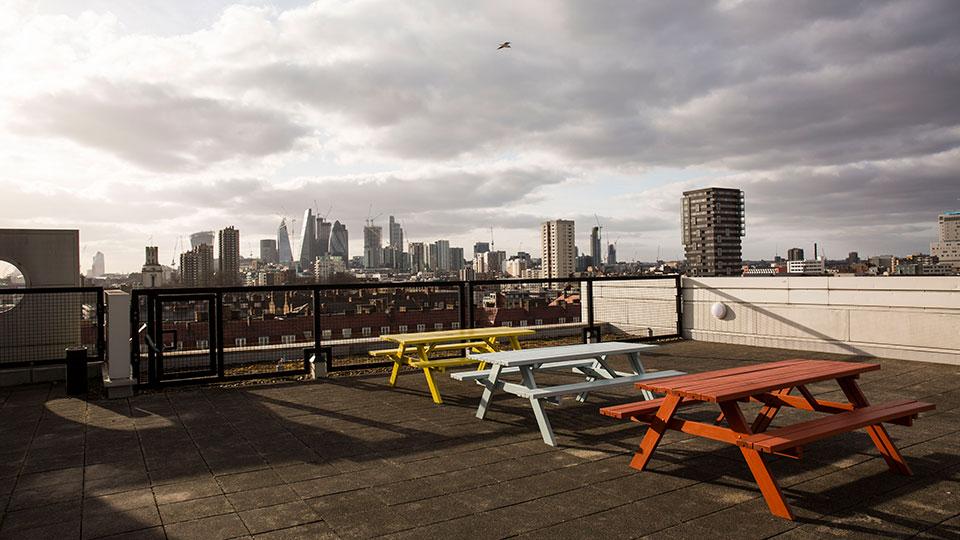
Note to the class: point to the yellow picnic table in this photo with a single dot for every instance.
(415, 349)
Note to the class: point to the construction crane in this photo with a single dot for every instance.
(370, 220)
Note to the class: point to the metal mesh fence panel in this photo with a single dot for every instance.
(353, 319)
(553, 310)
(37, 325)
(266, 332)
(185, 337)
(635, 308)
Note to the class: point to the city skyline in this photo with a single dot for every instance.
(837, 119)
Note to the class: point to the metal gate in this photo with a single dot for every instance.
(182, 337)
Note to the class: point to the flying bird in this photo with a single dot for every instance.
(504, 45)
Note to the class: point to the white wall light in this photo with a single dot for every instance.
(718, 310)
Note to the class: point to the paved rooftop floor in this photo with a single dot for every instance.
(352, 458)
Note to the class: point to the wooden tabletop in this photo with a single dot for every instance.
(735, 383)
(559, 354)
(456, 335)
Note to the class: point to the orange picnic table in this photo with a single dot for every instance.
(770, 385)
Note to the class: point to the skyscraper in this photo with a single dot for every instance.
(396, 235)
(595, 254)
(558, 248)
(947, 248)
(323, 237)
(268, 251)
(372, 245)
(152, 272)
(196, 266)
(481, 247)
(443, 255)
(795, 254)
(229, 257)
(712, 222)
(339, 241)
(202, 237)
(611, 254)
(456, 258)
(418, 257)
(98, 267)
(308, 241)
(283, 244)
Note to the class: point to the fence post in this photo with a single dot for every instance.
(679, 306)
(462, 316)
(101, 325)
(470, 309)
(218, 315)
(317, 331)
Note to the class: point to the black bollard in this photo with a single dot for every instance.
(76, 371)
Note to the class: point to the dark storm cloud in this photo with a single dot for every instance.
(748, 85)
(158, 127)
(457, 190)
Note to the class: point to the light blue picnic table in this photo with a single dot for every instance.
(589, 360)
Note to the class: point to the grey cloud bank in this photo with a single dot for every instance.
(831, 115)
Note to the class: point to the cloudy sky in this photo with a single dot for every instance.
(139, 122)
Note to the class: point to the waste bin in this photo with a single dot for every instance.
(76, 371)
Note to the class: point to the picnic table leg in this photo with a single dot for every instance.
(397, 361)
(637, 366)
(488, 390)
(429, 376)
(658, 426)
(767, 483)
(878, 434)
(515, 343)
(767, 413)
(546, 431)
(395, 372)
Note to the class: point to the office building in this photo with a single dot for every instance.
(812, 267)
(200, 238)
(308, 241)
(196, 266)
(322, 246)
(481, 247)
(152, 272)
(795, 254)
(418, 257)
(268, 251)
(228, 269)
(372, 246)
(98, 266)
(947, 247)
(853, 257)
(712, 223)
(611, 254)
(325, 266)
(558, 248)
(516, 267)
(396, 235)
(596, 257)
(443, 255)
(284, 252)
(456, 259)
(339, 241)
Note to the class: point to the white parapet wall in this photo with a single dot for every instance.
(911, 318)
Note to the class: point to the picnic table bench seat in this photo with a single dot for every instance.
(590, 386)
(484, 373)
(785, 438)
(637, 409)
(479, 345)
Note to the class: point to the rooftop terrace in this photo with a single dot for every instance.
(350, 457)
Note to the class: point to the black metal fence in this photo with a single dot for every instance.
(38, 324)
(227, 333)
